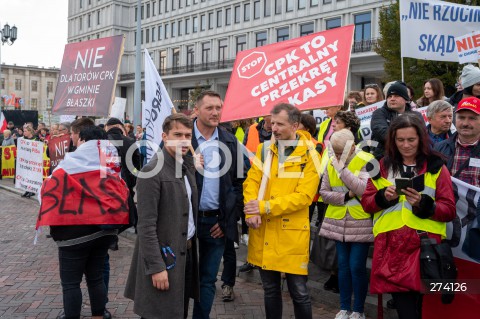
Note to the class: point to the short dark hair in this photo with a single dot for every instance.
(294, 114)
(81, 123)
(355, 95)
(177, 117)
(114, 121)
(350, 119)
(206, 93)
(309, 122)
(89, 133)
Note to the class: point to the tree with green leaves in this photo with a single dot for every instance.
(416, 71)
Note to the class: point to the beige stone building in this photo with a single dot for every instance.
(27, 87)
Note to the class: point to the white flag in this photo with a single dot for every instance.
(156, 108)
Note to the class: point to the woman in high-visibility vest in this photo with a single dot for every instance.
(345, 221)
(402, 215)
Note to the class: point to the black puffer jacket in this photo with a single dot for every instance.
(381, 120)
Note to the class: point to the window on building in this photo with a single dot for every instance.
(334, 23)
(165, 36)
(205, 54)
(49, 87)
(306, 29)
(80, 23)
(153, 34)
(180, 4)
(313, 3)
(18, 84)
(49, 104)
(2, 84)
(148, 10)
(163, 61)
(187, 25)
(147, 35)
(89, 2)
(203, 22)
(176, 60)
(278, 6)
(33, 86)
(246, 12)
(174, 29)
(89, 20)
(256, 10)
(237, 14)
(141, 37)
(261, 38)
(34, 104)
(327, 1)
(166, 5)
(267, 8)
(81, 4)
(180, 27)
(282, 34)
(160, 6)
(219, 18)
(98, 17)
(289, 5)
(173, 4)
(195, 24)
(228, 16)
(190, 58)
(154, 12)
(136, 12)
(160, 32)
(363, 26)
(241, 43)
(222, 52)
(135, 38)
(142, 9)
(188, 2)
(302, 4)
(210, 20)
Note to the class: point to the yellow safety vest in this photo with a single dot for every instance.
(401, 214)
(353, 205)
(240, 134)
(323, 130)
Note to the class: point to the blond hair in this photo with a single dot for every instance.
(340, 139)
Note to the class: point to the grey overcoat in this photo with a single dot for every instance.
(162, 218)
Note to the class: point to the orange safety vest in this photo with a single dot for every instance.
(253, 139)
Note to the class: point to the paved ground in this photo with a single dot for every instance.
(30, 286)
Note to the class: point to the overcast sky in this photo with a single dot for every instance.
(42, 31)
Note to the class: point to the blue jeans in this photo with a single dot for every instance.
(210, 254)
(229, 264)
(352, 274)
(74, 261)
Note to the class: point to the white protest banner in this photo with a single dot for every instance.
(429, 28)
(468, 47)
(365, 115)
(29, 169)
(463, 235)
(118, 108)
(320, 116)
(157, 106)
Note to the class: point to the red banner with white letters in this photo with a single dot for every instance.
(309, 72)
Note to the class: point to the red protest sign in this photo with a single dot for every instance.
(57, 148)
(309, 72)
(86, 85)
(83, 199)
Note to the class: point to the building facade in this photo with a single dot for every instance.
(27, 87)
(193, 43)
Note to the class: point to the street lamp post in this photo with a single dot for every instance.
(7, 35)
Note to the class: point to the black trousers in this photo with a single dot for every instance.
(408, 304)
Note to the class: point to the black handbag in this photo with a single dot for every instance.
(437, 265)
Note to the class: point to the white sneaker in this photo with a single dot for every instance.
(343, 314)
(244, 239)
(357, 315)
(235, 245)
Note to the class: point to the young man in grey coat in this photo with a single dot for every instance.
(162, 284)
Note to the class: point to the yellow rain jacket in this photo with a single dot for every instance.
(282, 241)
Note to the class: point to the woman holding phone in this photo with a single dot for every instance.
(399, 220)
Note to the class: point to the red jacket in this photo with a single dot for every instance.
(396, 256)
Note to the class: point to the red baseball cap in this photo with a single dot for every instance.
(470, 103)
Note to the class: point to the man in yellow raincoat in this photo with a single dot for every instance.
(279, 225)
